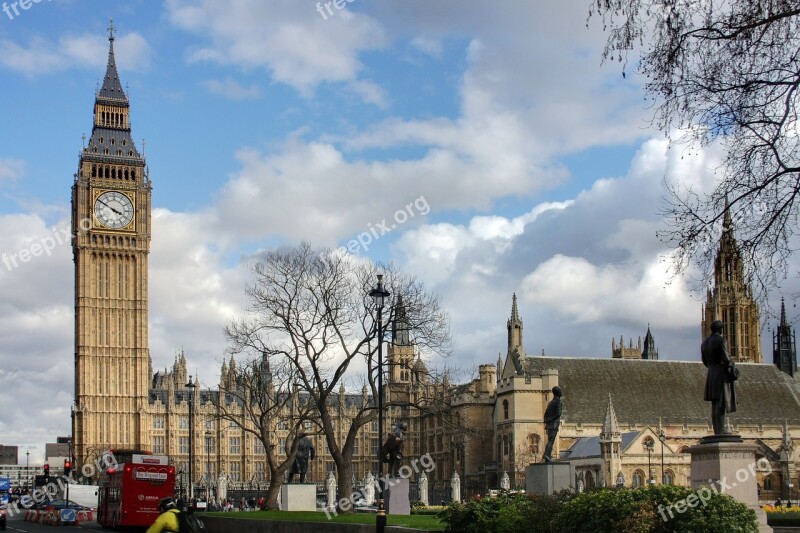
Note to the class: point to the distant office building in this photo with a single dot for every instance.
(8, 455)
(60, 448)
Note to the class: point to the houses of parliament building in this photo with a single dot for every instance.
(621, 414)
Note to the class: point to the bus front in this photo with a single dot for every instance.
(129, 493)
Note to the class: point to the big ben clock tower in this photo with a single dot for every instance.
(110, 245)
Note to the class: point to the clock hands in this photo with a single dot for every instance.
(108, 206)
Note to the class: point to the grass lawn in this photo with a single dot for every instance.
(431, 523)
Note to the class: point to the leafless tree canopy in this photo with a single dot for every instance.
(310, 312)
(727, 71)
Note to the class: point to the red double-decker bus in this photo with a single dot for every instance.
(129, 492)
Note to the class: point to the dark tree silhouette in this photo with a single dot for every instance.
(310, 312)
(728, 72)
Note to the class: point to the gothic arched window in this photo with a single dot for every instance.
(505, 409)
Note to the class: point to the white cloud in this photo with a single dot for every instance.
(286, 37)
(233, 90)
(11, 169)
(193, 294)
(585, 293)
(89, 51)
(428, 46)
(370, 92)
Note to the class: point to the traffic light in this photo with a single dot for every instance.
(46, 470)
(67, 467)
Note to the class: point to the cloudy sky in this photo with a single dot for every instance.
(505, 156)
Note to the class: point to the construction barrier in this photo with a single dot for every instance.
(84, 516)
(57, 517)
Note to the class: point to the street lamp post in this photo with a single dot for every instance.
(379, 295)
(649, 446)
(207, 475)
(662, 437)
(191, 386)
(27, 469)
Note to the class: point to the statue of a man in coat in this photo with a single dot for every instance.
(552, 421)
(722, 373)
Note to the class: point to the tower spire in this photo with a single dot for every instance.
(783, 314)
(514, 310)
(610, 425)
(731, 299)
(112, 87)
(784, 347)
(515, 326)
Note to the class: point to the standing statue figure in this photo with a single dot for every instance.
(552, 421)
(222, 488)
(392, 450)
(720, 390)
(305, 452)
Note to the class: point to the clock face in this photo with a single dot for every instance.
(113, 210)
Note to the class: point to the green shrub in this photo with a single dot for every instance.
(653, 510)
(509, 513)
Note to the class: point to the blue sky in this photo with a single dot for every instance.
(267, 124)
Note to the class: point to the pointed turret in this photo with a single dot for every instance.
(223, 374)
(650, 351)
(610, 425)
(516, 349)
(499, 367)
(610, 442)
(784, 352)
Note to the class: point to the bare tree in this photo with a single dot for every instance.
(728, 72)
(259, 398)
(311, 311)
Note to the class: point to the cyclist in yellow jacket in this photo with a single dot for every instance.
(168, 519)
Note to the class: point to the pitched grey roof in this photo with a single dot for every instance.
(118, 142)
(645, 390)
(590, 446)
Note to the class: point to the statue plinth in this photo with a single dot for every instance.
(547, 478)
(395, 497)
(729, 464)
(299, 497)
